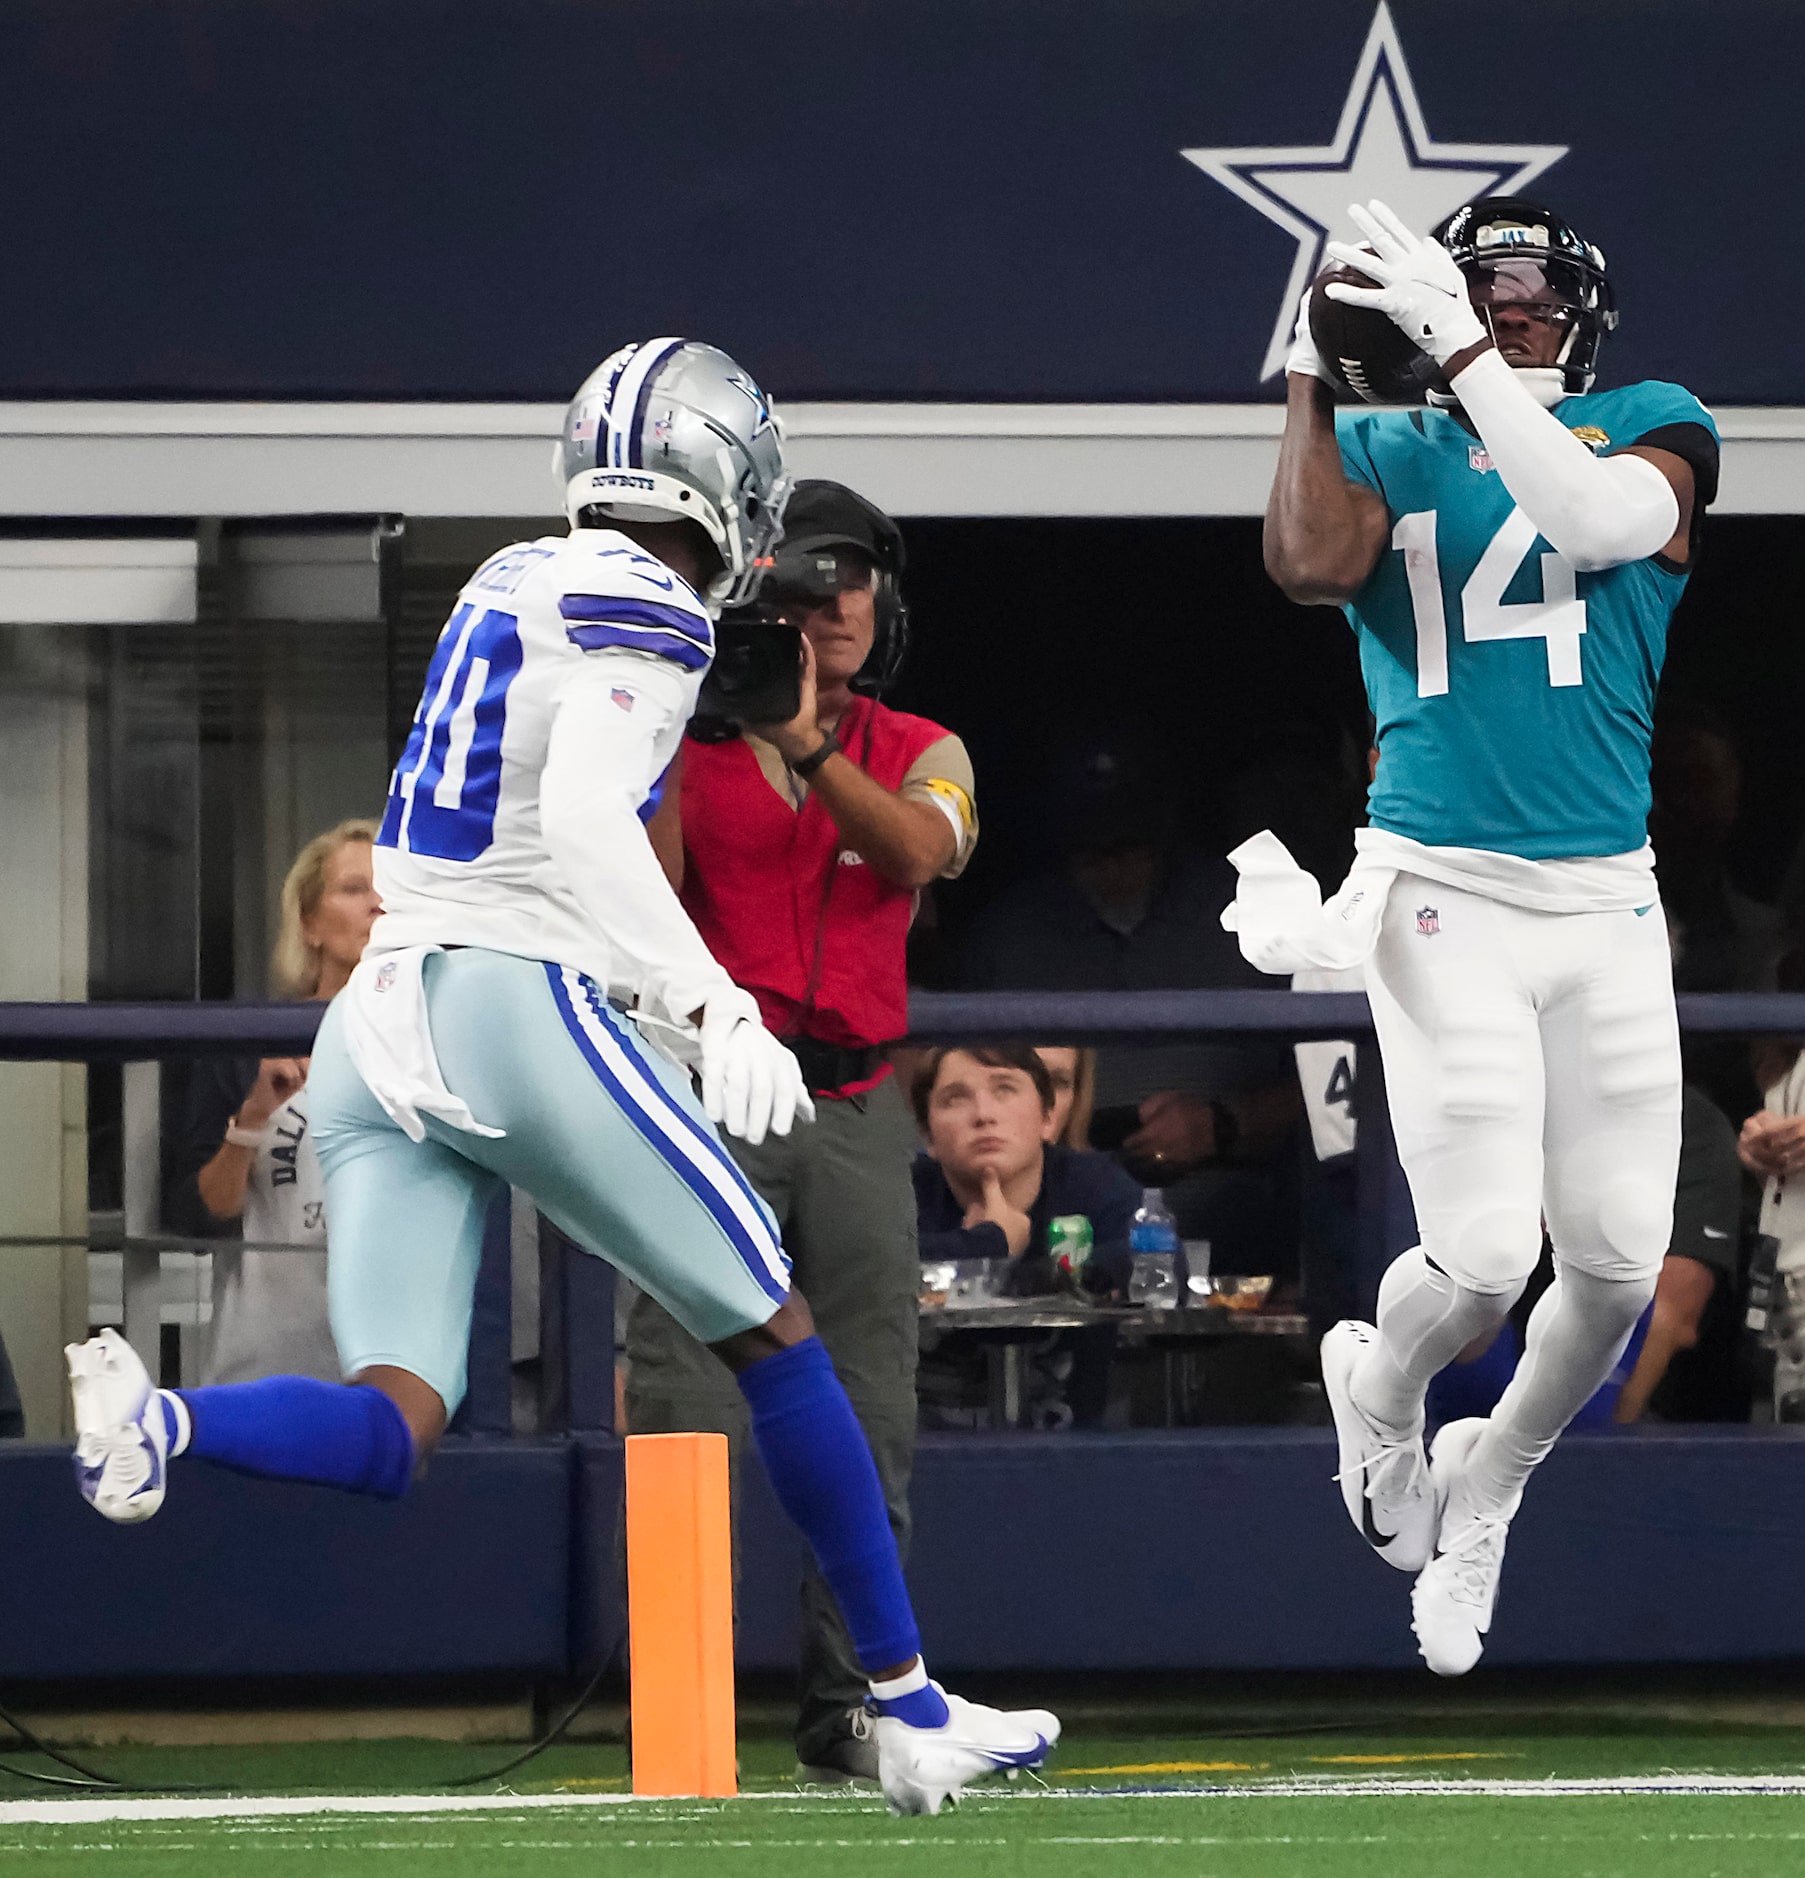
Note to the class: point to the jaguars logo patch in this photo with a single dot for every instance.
(1592, 437)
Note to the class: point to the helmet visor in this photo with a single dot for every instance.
(1543, 281)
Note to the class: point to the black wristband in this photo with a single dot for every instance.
(806, 766)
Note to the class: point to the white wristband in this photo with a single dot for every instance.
(237, 1137)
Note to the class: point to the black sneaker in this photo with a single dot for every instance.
(851, 1755)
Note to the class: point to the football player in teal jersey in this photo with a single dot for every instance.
(1509, 557)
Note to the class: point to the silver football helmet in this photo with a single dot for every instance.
(672, 428)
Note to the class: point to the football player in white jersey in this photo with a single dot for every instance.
(1510, 558)
(500, 1031)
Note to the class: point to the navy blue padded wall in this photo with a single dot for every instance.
(1229, 1549)
(468, 1575)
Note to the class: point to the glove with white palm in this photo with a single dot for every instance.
(751, 1085)
(1420, 289)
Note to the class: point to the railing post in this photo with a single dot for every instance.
(142, 1139)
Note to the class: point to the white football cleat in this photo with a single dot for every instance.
(922, 1768)
(121, 1438)
(1452, 1600)
(1385, 1483)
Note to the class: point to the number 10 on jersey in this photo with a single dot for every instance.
(1559, 617)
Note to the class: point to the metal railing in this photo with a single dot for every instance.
(139, 1035)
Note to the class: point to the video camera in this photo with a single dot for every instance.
(756, 677)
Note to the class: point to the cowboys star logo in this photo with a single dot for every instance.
(1381, 148)
(741, 382)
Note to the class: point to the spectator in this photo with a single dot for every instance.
(993, 1180)
(1073, 1074)
(803, 847)
(245, 1155)
(994, 1175)
(1130, 909)
(1772, 1146)
(1723, 938)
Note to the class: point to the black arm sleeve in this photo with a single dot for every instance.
(1695, 444)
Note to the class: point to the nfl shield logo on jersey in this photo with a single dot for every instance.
(624, 697)
(1428, 921)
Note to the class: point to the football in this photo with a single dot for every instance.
(1364, 348)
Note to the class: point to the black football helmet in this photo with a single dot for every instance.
(1499, 237)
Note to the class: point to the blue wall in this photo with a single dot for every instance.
(1221, 1549)
(915, 199)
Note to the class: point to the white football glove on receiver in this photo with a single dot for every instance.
(1420, 289)
(1303, 358)
(751, 1085)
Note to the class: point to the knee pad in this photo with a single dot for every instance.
(1491, 1252)
(1609, 1219)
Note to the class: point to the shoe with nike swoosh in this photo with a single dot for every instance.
(1385, 1482)
(920, 1769)
(1452, 1602)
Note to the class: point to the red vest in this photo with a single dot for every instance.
(815, 934)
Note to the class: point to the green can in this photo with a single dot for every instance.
(1069, 1244)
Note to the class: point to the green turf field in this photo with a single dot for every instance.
(1320, 1804)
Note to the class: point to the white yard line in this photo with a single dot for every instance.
(423, 1805)
(384, 1806)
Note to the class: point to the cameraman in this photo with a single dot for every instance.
(804, 843)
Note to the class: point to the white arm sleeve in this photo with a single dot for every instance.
(596, 770)
(1597, 512)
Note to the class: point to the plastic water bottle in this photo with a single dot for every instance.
(1153, 1239)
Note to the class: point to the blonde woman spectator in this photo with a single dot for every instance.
(246, 1155)
(1073, 1074)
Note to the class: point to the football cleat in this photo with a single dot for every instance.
(1453, 1598)
(1385, 1483)
(121, 1438)
(920, 1769)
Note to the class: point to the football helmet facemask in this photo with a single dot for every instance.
(1510, 248)
(671, 429)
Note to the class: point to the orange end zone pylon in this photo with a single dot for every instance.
(680, 1614)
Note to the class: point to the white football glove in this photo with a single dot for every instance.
(1303, 358)
(751, 1085)
(1420, 289)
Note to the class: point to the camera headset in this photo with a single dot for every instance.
(831, 536)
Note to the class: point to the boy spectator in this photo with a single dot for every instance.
(994, 1178)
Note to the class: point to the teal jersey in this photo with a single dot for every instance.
(1514, 695)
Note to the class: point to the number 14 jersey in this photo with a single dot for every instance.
(1514, 695)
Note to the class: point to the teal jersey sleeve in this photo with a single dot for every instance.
(1513, 693)
(1353, 433)
(1667, 417)
(1638, 409)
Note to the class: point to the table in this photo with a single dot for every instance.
(1010, 1327)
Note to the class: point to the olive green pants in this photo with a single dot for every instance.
(841, 1191)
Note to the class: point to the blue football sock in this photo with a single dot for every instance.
(911, 1698)
(821, 1470)
(297, 1428)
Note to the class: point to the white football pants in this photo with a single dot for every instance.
(1532, 1065)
